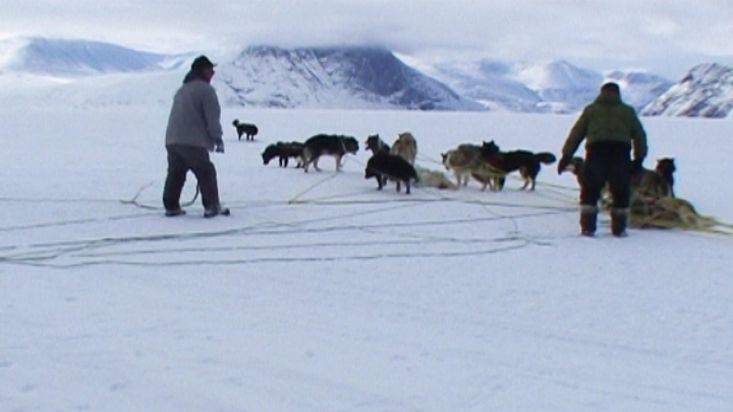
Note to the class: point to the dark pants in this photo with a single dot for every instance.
(607, 162)
(181, 159)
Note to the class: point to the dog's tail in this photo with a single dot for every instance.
(545, 157)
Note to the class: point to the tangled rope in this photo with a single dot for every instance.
(133, 201)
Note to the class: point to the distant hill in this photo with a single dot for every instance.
(62, 57)
(333, 77)
(639, 88)
(706, 91)
(545, 87)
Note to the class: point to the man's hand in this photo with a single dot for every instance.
(636, 165)
(219, 147)
(563, 164)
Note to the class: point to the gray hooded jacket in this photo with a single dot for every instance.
(195, 115)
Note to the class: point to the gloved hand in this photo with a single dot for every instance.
(219, 147)
(636, 165)
(563, 164)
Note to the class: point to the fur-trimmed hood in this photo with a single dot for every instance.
(191, 76)
(608, 99)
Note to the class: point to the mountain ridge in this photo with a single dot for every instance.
(358, 77)
(332, 77)
(706, 91)
(73, 57)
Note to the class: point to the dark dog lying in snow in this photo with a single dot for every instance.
(332, 145)
(644, 182)
(247, 129)
(385, 166)
(658, 182)
(526, 162)
(284, 151)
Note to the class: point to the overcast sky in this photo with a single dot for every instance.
(664, 36)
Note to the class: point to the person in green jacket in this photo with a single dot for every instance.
(610, 128)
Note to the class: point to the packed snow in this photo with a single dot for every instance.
(321, 293)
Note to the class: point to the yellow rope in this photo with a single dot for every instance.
(297, 198)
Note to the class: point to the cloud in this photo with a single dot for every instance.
(655, 33)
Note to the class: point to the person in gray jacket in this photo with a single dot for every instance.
(194, 129)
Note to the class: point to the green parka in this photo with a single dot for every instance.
(607, 119)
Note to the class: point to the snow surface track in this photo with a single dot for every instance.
(348, 298)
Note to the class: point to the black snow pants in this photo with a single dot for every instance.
(607, 162)
(181, 159)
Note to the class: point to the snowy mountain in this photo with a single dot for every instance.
(335, 77)
(490, 82)
(639, 88)
(90, 73)
(706, 91)
(562, 86)
(61, 57)
(554, 86)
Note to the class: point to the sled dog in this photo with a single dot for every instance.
(247, 129)
(432, 178)
(526, 162)
(337, 146)
(283, 151)
(465, 161)
(406, 147)
(644, 182)
(376, 144)
(385, 166)
(655, 183)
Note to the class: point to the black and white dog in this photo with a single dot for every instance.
(331, 145)
(528, 163)
(384, 166)
(283, 151)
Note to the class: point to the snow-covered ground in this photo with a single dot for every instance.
(321, 294)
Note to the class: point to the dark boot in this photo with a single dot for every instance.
(215, 211)
(175, 212)
(588, 218)
(618, 222)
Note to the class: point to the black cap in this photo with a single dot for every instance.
(201, 62)
(611, 87)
